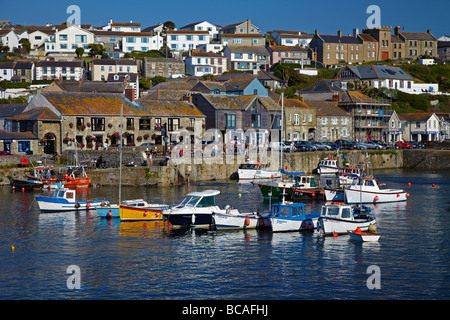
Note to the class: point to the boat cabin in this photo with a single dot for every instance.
(338, 211)
(200, 199)
(328, 162)
(252, 166)
(365, 184)
(287, 210)
(349, 171)
(63, 193)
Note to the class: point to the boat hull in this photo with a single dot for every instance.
(128, 213)
(388, 195)
(341, 226)
(286, 224)
(229, 221)
(49, 204)
(199, 220)
(111, 211)
(277, 192)
(77, 183)
(364, 236)
(309, 194)
(26, 184)
(336, 195)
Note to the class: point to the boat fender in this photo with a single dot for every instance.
(157, 214)
(372, 228)
(77, 205)
(103, 204)
(247, 222)
(376, 198)
(88, 205)
(109, 214)
(145, 213)
(304, 224)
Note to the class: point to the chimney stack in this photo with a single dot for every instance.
(130, 93)
(355, 32)
(397, 30)
(340, 33)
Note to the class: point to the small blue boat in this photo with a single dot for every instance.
(290, 216)
(63, 199)
(111, 211)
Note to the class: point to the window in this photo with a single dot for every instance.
(230, 121)
(63, 46)
(417, 124)
(173, 38)
(237, 40)
(344, 132)
(63, 37)
(80, 38)
(144, 40)
(238, 55)
(324, 120)
(131, 39)
(23, 146)
(98, 124)
(189, 37)
(254, 41)
(201, 38)
(144, 124)
(310, 117)
(333, 120)
(296, 119)
(174, 124)
(393, 124)
(130, 124)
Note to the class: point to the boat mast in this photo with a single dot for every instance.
(282, 136)
(120, 155)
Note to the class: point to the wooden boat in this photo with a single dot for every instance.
(366, 190)
(196, 210)
(47, 176)
(327, 166)
(25, 184)
(64, 199)
(256, 170)
(339, 218)
(109, 211)
(289, 216)
(364, 236)
(278, 189)
(139, 210)
(233, 219)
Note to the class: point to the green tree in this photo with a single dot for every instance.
(79, 51)
(25, 44)
(96, 49)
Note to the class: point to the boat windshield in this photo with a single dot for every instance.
(59, 194)
(284, 212)
(331, 211)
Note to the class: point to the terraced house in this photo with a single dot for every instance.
(62, 120)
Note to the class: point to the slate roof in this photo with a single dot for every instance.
(241, 102)
(39, 113)
(76, 103)
(88, 86)
(418, 36)
(113, 62)
(287, 48)
(259, 50)
(340, 39)
(378, 72)
(328, 108)
(161, 94)
(416, 116)
(77, 63)
(324, 85)
(9, 110)
(5, 135)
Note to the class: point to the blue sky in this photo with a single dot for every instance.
(326, 16)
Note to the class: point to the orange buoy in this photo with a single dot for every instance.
(376, 198)
(335, 234)
(433, 185)
(145, 213)
(109, 213)
(409, 184)
(398, 195)
(88, 205)
(358, 230)
(247, 222)
(407, 195)
(77, 205)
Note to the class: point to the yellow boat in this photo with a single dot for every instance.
(144, 211)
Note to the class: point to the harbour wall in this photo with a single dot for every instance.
(161, 175)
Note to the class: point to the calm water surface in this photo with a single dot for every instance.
(150, 260)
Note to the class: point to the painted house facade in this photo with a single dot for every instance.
(246, 58)
(101, 68)
(185, 40)
(63, 70)
(206, 63)
(68, 40)
(299, 120)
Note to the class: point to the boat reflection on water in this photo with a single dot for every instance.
(153, 228)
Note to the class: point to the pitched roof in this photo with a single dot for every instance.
(86, 86)
(241, 102)
(416, 116)
(76, 63)
(295, 103)
(114, 62)
(39, 113)
(378, 72)
(259, 50)
(8, 110)
(328, 108)
(340, 39)
(170, 108)
(324, 85)
(5, 135)
(162, 94)
(288, 48)
(418, 36)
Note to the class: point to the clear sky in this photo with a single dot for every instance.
(299, 15)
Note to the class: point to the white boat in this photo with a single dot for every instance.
(65, 200)
(233, 219)
(366, 190)
(364, 236)
(196, 210)
(339, 218)
(347, 174)
(256, 170)
(334, 194)
(327, 166)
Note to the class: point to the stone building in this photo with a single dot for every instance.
(164, 67)
(299, 120)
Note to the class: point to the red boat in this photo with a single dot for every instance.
(74, 177)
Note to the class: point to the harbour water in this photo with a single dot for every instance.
(150, 260)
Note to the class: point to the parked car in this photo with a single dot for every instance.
(384, 144)
(359, 145)
(303, 145)
(6, 153)
(345, 144)
(373, 145)
(417, 144)
(320, 145)
(403, 145)
(282, 146)
(332, 145)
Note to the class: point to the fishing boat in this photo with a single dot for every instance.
(109, 211)
(367, 190)
(256, 170)
(64, 199)
(139, 210)
(327, 166)
(364, 236)
(25, 184)
(339, 218)
(290, 216)
(233, 219)
(76, 177)
(275, 189)
(196, 210)
(347, 174)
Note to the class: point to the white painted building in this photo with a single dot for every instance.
(37, 38)
(68, 40)
(202, 26)
(184, 40)
(9, 38)
(203, 63)
(63, 70)
(122, 26)
(292, 38)
(141, 41)
(101, 68)
(6, 70)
